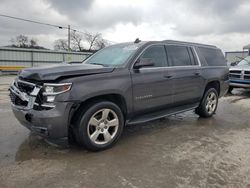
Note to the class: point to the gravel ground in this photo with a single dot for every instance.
(179, 151)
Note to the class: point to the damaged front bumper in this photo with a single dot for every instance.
(49, 121)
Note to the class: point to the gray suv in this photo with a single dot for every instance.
(127, 83)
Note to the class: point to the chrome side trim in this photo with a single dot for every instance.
(55, 85)
(168, 67)
(196, 55)
(61, 84)
(45, 105)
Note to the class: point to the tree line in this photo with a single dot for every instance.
(78, 42)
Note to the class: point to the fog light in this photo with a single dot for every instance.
(50, 98)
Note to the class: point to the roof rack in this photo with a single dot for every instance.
(188, 43)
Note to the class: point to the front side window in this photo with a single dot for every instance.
(155, 54)
(178, 56)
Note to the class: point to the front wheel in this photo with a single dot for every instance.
(208, 104)
(100, 126)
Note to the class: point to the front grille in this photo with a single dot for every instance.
(247, 77)
(24, 87)
(39, 98)
(12, 97)
(234, 76)
(235, 71)
(239, 75)
(16, 100)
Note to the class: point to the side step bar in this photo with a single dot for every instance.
(161, 114)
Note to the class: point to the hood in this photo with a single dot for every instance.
(241, 67)
(57, 72)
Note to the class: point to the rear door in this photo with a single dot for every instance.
(151, 89)
(185, 72)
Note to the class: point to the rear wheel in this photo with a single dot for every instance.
(208, 104)
(100, 126)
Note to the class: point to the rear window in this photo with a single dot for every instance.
(213, 57)
(178, 56)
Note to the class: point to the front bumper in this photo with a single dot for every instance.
(240, 84)
(51, 122)
(47, 123)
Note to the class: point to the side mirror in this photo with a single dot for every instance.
(143, 62)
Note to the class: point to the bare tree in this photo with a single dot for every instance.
(33, 43)
(92, 39)
(61, 44)
(20, 41)
(80, 43)
(102, 43)
(76, 41)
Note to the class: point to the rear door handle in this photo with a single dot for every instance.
(168, 76)
(197, 74)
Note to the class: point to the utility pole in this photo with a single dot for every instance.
(68, 37)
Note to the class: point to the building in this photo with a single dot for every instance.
(19, 58)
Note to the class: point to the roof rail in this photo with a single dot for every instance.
(189, 43)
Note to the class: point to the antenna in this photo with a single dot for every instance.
(137, 41)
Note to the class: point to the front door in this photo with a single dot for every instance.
(151, 88)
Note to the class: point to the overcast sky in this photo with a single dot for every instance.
(224, 23)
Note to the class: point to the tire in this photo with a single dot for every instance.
(230, 89)
(209, 103)
(100, 126)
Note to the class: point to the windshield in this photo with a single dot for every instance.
(245, 61)
(113, 56)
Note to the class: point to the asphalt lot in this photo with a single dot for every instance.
(179, 151)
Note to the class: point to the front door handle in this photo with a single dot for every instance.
(197, 74)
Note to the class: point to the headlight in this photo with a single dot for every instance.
(50, 90)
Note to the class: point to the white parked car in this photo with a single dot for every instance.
(239, 75)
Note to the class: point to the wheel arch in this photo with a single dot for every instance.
(213, 84)
(82, 105)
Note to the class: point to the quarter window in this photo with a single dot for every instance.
(157, 54)
(213, 57)
(178, 56)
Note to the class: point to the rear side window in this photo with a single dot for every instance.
(178, 56)
(157, 54)
(213, 57)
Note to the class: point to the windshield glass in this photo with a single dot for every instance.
(245, 61)
(113, 56)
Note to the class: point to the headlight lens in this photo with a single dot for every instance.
(55, 89)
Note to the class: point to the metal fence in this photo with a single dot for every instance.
(34, 57)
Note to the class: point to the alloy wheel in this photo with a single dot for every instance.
(103, 126)
(211, 102)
